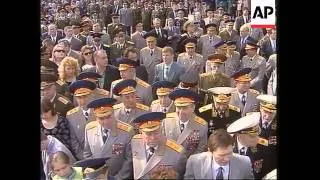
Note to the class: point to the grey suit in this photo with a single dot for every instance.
(120, 113)
(266, 48)
(227, 37)
(271, 65)
(76, 44)
(252, 103)
(175, 71)
(200, 166)
(232, 64)
(105, 39)
(155, 107)
(258, 65)
(193, 138)
(195, 64)
(138, 40)
(256, 33)
(205, 45)
(117, 147)
(126, 16)
(150, 61)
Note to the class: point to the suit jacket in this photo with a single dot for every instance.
(111, 74)
(141, 73)
(75, 55)
(258, 65)
(76, 44)
(146, 19)
(205, 46)
(138, 40)
(117, 147)
(82, 38)
(266, 49)
(210, 80)
(120, 113)
(196, 64)
(155, 107)
(272, 83)
(232, 64)
(176, 70)
(150, 61)
(239, 22)
(174, 31)
(214, 20)
(193, 138)
(256, 33)
(126, 16)
(163, 40)
(60, 35)
(252, 103)
(199, 166)
(240, 48)
(227, 37)
(168, 155)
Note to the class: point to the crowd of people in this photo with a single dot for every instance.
(159, 89)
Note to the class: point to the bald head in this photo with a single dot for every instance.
(52, 30)
(101, 58)
(244, 30)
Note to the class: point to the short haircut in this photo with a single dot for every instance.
(167, 49)
(47, 105)
(128, 50)
(67, 28)
(219, 138)
(65, 42)
(95, 54)
(60, 156)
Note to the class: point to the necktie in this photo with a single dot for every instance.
(265, 125)
(164, 110)
(151, 151)
(242, 42)
(151, 52)
(127, 112)
(220, 174)
(243, 100)
(159, 32)
(105, 135)
(141, 34)
(53, 39)
(86, 114)
(210, 40)
(181, 127)
(242, 151)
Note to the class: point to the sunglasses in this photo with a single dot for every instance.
(59, 50)
(86, 54)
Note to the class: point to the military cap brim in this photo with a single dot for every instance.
(241, 72)
(210, 25)
(96, 35)
(89, 75)
(218, 44)
(217, 58)
(229, 43)
(82, 87)
(149, 122)
(47, 65)
(189, 79)
(47, 79)
(184, 97)
(163, 87)
(189, 40)
(124, 87)
(125, 63)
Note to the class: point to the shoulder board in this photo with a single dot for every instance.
(129, 42)
(116, 81)
(205, 108)
(185, 18)
(174, 145)
(181, 54)
(124, 126)
(171, 115)
(91, 125)
(254, 91)
(138, 136)
(142, 83)
(105, 45)
(72, 111)
(155, 101)
(144, 48)
(114, 44)
(205, 74)
(102, 91)
(263, 141)
(176, 18)
(63, 100)
(200, 121)
(233, 108)
(142, 106)
(203, 36)
(117, 106)
(60, 82)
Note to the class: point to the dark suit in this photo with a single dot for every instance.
(239, 22)
(146, 19)
(227, 37)
(62, 105)
(163, 40)
(60, 35)
(266, 49)
(76, 44)
(141, 73)
(174, 74)
(115, 9)
(136, 17)
(82, 38)
(111, 74)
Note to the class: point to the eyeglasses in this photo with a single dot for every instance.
(59, 50)
(86, 54)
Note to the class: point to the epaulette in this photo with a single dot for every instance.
(124, 126)
(102, 91)
(205, 74)
(138, 136)
(142, 83)
(63, 100)
(263, 141)
(114, 44)
(200, 121)
(171, 115)
(155, 102)
(174, 145)
(144, 48)
(185, 18)
(117, 106)
(72, 111)
(116, 81)
(202, 36)
(60, 82)
(205, 108)
(248, 113)
(91, 125)
(105, 45)
(181, 54)
(254, 91)
(235, 108)
(129, 42)
(142, 106)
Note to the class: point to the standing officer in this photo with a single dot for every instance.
(155, 156)
(107, 137)
(112, 26)
(163, 103)
(183, 125)
(220, 113)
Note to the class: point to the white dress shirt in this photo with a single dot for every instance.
(148, 151)
(184, 123)
(241, 146)
(166, 108)
(273, 44)
(240, 96)
(216, 167)
(86, 111)
(264, 121)
(166, 70)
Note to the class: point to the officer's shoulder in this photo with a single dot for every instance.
(205, 108)
(143, 83)
(60, 82)
(124, 126)
(137, 136)
(174, 145)
(102, 91)
(170, 115)
(72, 111)
(205, 74)
(181, 54)
(235, 108)
(142, 107)
(105, 45)
(255, 92)
(155, 102)
(130, 42)
(91, 125)
(116, 81)
(64, 100)
(200, 121)
(143, 49)
(117, 106)
(203, 36)
(198, 55)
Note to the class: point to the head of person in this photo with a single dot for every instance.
(116, 2)
(131, 53)
(115, 18)
(47, 47)
(127, 68)
(96, 38)
(231, 47)
(210, 13)
(68, 68)
(211, 29)
(62, 12)
(246, 129)
(150, 127)
(89, 76)
(269, 31)
(126, 89)
(273, 34)
(60, 164)
(120, 35)
(189, 26)
(48, 111)
(190, 46)
(139, 27)
(68, 31)
(76, 27)
(167, 55)
(251, 48)
(170, 22)
(66, 44)
(180, 13)
(82, 90)
(268, 107)
(48, 85)
(221, 96)
(52, 30)
(94, 15)
(184, 100)
(157, 23)
(225, 17)
(163, 89)
(245, 11)
(156, 6)
(189, 81)
(100, 58)
(86, 25)
(229, 24)
(49, 67)
(67, 7)
(87, 54)
(242, 80)
(220, 10)
(151, 39)
(76, 11)
(244, 30)
(102, 109)
(96, 28)
(197, 16)
(215, 63)
(221, 47)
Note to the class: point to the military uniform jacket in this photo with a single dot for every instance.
(99, 93)
(215, 121)
(120, 113)
(63, 89)
(232, 64)
(117, 147)
(194, 63)
(252, 103)
(206, 45)
(193, 138)
(116, 51)
(110, 30)
(258, 65)
(155, 107)
(169, 155)
(62, 105)
(210, 80)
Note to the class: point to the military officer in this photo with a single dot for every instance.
(94, 168)
(107, 137)
(191, 60)
(183, 125)
(115, 23)
(154, 155)
(97, 44)
(220, 113)
(163, 103)
(48, 90)
(180, 20)
(268, 125)
(245, 132)
(79, 116)
(128, 71)
(232, 64)
(128, 109)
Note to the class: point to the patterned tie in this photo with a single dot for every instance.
(265, 125)
(105, 135)
(164, 110)
(151, 151)
(86, 114)
(151, 52)
(242, 151)
(220, 174)
(243, 100)
(181, 127)
(127, 112)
